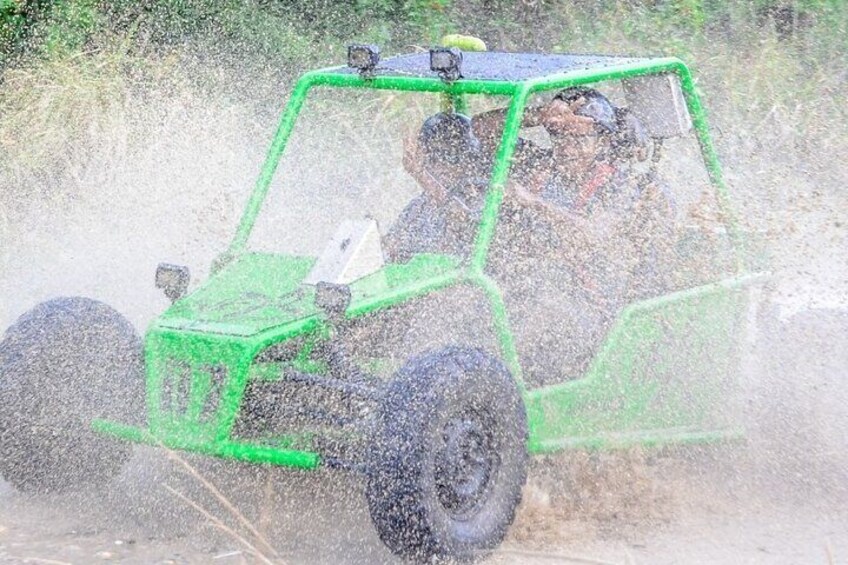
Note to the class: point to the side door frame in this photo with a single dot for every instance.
(611, 405)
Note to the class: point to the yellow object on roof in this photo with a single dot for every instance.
(464, 42)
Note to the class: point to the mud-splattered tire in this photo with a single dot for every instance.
(63, 363)
(448, 457)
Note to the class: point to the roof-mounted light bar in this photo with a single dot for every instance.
(364, 58)
(447, 61)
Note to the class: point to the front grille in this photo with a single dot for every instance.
(192, 392)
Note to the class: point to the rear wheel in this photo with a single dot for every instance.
(448, 457)
(63, 363)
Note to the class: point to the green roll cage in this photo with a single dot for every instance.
(547, 432)
(519, 93)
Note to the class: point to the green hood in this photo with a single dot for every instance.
(254, 293)
(258, 292)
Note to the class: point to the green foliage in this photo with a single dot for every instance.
(430, 18)
(12, 27)
(287, 34)
(69, 25)
(290, 30)
(45, 26)
(71, 71)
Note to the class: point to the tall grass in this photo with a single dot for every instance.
(70, 114)
(773, 97)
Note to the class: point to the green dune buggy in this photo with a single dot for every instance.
(308, 347)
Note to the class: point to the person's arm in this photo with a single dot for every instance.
(488, 126)
(529, 196)
(413, 163)
(573, 229)
(559, 118)
(588, 230)
(556, 116)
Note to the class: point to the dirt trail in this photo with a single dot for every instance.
(687, 507)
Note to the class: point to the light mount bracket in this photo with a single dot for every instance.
(447, 61)
(173, 280)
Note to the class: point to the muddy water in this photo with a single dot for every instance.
(780, 498)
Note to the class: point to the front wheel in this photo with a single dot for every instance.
(448, 457)
(63, 363)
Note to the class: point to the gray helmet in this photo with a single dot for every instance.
(449, 138)
(597, 106)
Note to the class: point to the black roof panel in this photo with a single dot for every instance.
(490, 65)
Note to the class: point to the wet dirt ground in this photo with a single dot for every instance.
(322, 520)
(689, 506)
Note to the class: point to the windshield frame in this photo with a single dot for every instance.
(519, 93)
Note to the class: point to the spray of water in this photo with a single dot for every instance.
(107, 170)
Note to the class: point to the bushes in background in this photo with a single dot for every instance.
(295, 30)
(774, 71)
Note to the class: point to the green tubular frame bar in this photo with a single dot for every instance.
(227, 449)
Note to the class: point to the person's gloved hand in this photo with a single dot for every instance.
(559, 118)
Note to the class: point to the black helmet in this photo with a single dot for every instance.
(449, 138)
(597, 106)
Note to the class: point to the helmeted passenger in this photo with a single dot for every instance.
(566, 227)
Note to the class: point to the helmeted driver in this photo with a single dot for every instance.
(446, 160)
(582, 189)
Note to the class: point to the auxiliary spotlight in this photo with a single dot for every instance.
(447, 62)
(364, 58)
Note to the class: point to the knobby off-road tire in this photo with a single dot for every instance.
(448, 457)
(63, 363)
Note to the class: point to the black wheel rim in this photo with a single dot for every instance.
(466, 464)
